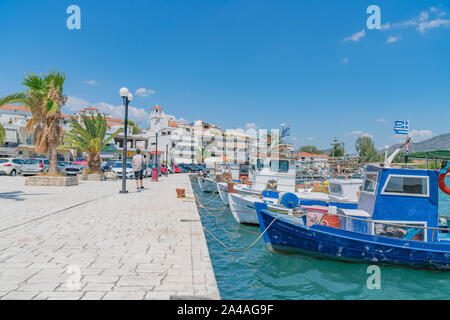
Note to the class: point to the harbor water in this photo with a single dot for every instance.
(260, 274)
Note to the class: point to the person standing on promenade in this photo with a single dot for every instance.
(138, 167)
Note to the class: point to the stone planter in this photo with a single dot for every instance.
(93, 176)
(51, 181)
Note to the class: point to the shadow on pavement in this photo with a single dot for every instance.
(17, 195)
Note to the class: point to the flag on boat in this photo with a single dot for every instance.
(401, 127)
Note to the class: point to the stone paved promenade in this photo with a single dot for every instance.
(90, 242)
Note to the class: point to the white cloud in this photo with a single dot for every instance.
(143, 92)
(367, 135)
(386, 26)
(381, 120)
(432, 24)
(75, 104)
(310, 138)
(183, 120)
(92, 82)
(354, 133)
(419, 135)
(345, 60)
(426, 20)
(392, 39)
(251, 125)
(416, 136)
(356, 36)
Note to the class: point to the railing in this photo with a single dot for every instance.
(369, 224)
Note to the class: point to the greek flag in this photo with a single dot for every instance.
(286, 132)
(401, 127)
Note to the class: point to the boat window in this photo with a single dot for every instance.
(259, 164)
(370, 182)
(279, 166)
(407, 185)
(335, 188)
(244, 169)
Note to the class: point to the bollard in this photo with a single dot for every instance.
(155, 174)
(181, 193)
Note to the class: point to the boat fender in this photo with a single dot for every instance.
(445, 169)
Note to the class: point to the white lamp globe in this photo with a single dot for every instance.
(124, 92)
(130, 97)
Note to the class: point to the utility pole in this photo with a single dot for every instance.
(167, 160)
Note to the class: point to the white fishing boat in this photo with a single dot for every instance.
(222, 187)
(207, 184)
(268, 174)
(235, 173)
(243, 206)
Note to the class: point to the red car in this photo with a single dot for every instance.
(176, 169)
(81, 162)
(163, 169)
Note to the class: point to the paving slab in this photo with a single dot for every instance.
(90, 242)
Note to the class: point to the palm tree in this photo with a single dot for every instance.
(91, 138)
(44, 97)
(203, 153)
(2, 135)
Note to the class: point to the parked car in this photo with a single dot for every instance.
(109, 165)
(33, 166)
(189, 167)
(11, 166)
(74, 169)
(178, 169)
(117, 169)
(163, 169)
(150, 166)
(80, 161)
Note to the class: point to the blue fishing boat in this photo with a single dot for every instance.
(396, 222)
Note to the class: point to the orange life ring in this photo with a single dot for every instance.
(444, 171)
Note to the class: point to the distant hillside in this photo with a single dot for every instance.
(439, 142)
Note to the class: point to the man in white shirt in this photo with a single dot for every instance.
(137, 163)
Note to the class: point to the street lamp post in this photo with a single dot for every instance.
(127, 98)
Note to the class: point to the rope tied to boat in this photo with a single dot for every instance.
(243, 249)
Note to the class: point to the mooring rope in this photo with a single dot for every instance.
(223, 220)
(243, 249)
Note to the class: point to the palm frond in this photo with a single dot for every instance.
(14, 98)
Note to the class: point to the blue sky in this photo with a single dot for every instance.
(311, 64)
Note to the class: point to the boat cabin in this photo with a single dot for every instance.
(344, 189)
(406, 197)
(273, 171)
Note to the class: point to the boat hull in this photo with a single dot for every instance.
(222, 187)
(207, 185)
(288, 234)
(243, 208)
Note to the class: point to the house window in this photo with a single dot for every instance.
(407, 185)
(370, 182)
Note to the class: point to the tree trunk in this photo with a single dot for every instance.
(94, 162)
(53, 169)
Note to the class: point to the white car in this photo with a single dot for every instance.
(117, 169)
(11, 166)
